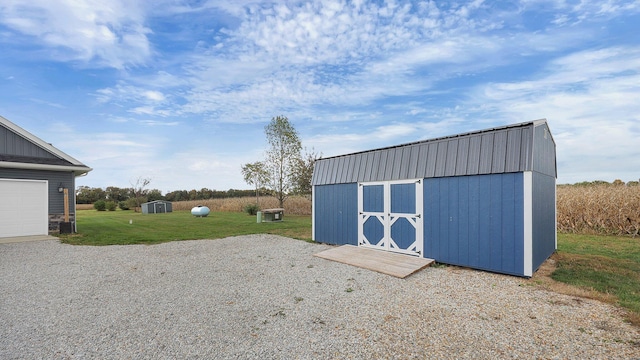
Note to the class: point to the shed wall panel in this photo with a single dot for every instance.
(484, 234)
(544, 218)
(453, 222)
(544, 155)
(373, 198)
(495, 221)
(473, 213)
(473, 221)
(463, 213)
(335, 212)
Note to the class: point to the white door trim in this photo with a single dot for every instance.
(388, 219)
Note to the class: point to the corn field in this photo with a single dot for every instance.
(599, 209)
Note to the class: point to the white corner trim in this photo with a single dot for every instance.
(528, 223)
(555, 215)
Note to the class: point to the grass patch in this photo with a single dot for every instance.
(607, 264)
(113, 227)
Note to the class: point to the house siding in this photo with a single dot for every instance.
(14, 144)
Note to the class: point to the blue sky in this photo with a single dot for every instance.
(180, 91)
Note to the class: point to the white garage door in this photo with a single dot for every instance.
(23, 207)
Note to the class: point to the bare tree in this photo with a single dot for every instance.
(138, 191)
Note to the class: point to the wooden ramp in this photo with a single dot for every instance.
(385, 262)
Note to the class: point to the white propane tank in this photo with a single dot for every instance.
(200, 211)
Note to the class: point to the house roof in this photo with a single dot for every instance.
(491, 151)
(42, 155)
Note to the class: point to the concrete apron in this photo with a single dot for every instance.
(7, 240)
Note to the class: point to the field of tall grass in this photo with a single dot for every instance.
(295, 205)
(603, 209)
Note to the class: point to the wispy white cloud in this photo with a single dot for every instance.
(110, 32)
(48, 103)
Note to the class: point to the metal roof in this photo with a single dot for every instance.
(491, 151)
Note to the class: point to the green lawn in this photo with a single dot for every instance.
(607, 264)
(114, 227)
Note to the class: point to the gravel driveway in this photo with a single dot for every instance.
(265, 296)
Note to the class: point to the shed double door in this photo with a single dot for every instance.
(160, 208)
(390, 216)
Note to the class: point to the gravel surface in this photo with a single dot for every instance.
(265, 297)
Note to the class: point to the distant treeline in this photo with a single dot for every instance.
(89, 195)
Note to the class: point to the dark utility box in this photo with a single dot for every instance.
(66, 227)
(270, 215)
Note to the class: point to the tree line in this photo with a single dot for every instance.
(89, 195)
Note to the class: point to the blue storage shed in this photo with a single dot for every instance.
(484, 199)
